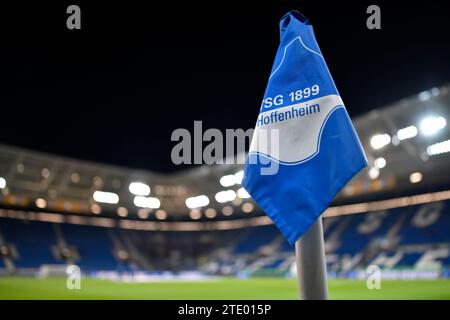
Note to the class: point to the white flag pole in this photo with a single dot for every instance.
(311, 265)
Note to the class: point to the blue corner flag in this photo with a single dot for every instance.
(304, 148)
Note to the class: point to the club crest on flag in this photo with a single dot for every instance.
(304, 148)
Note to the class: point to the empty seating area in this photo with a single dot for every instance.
(93, 245)
(396, 238)
(34, 244)
(430, 224)
(32, 240)
(360, 239)
(255, 238)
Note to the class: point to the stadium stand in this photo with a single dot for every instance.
(255, 239)
(414, 237)
(33, 241)
(93, 245)
(58, 211)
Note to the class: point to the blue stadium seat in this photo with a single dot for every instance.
(274, 264)
(437, 232)
(256, 238)
(93, 245)
(409, 259)
(352, 241)
(33, 241)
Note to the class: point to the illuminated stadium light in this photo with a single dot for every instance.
(68, 205)
(98, 182)
(227, 211)
(195, 214)
(122, 255)
(232, 179)
(197, 202)
(415, 177)
(106, 197)
(374, 173)
(139, 189)
(431, 125)
(223, 225)
(438, 148)
(140, 201)
(161, 214)
(40, 203)
(191, 202)
(122, 212)
(435, 91)
(210, 213)
(237, 201)
(225, 196)
(20, 168)
(380, 163)
(153, 203)
(227, 181)
(147, 202)
(407, 133)
(395, 140)
(349, 190)
(424, 95)
(247, 207)
(242, 193)
(2, 182)
(75, 177)
(378, 141)
(238, 177)
(45, 173)
(96, 209)
(143, 213)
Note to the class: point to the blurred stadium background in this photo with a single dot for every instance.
(197, 234)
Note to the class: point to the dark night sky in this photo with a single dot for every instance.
(114, 91)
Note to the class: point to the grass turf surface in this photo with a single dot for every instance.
(260, 288)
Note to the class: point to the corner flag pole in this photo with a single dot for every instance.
(311, 266)
(312, 152)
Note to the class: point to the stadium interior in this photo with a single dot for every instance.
(114, 222)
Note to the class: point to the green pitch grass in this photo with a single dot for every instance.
(261, 288)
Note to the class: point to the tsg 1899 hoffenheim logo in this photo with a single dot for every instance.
(298, 109)
(303, 122)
